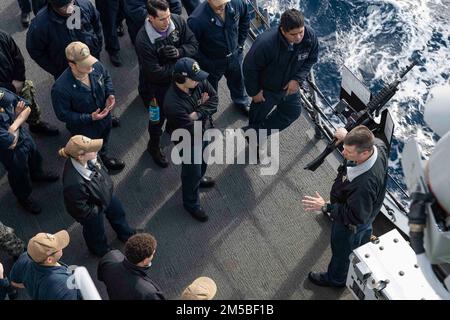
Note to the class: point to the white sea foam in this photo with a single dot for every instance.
(417, 22)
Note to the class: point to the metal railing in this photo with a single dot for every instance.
(321, 120)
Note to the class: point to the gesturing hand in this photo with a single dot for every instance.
(313, 203)
(110, 102)
(99, 115)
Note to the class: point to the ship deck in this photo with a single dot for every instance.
(258, 243)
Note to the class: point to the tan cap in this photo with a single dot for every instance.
(80, 54)
(79, 143)
(44, 245)
(202, 288)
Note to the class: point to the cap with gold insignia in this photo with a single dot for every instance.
(81, 144)
(44, 245)
(188, 67)
(79, 53)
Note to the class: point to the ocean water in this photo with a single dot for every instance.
(375, 40)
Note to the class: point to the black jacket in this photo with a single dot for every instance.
(12, 66)
(178, 105)
(152, 69)
(136, 12)
(269, 65)
(126, 281)
(359, 201)
(83, 198)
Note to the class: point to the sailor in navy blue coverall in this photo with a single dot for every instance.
(18, 152)
(221, 31)
(278, 62)
(83, 97)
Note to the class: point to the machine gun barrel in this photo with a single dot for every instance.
(374, 106)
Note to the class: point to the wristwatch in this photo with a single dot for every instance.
(326, 208)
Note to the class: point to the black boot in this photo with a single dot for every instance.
(114, 57)
(45, 176)
(244, 109)
(43, 128)
(158, 156)
(198, 214)
(115, 121)
(112, 164)
(207, 182)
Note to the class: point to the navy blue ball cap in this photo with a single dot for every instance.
(59, 3)
(189, 68)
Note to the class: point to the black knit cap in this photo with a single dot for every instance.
(59, 3)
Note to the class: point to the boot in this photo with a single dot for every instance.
(43, 128)
(45, 176)
(112, 164)
(115, 121)
(114, 57)
(155, 151)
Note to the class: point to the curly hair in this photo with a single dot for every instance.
(139, 247)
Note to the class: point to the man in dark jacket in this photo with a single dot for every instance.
(162, 40)
(26, 6)
(52, 30)
(83, 97)
(136, 14)
(190, 5)
(12, 77)
(128, 277)
(276, 65)
(356, 198)
(18, 152)
(40, 271)
(89, 194)
(190, 101)
(221, 27)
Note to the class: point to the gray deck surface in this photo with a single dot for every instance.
(258, 243)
